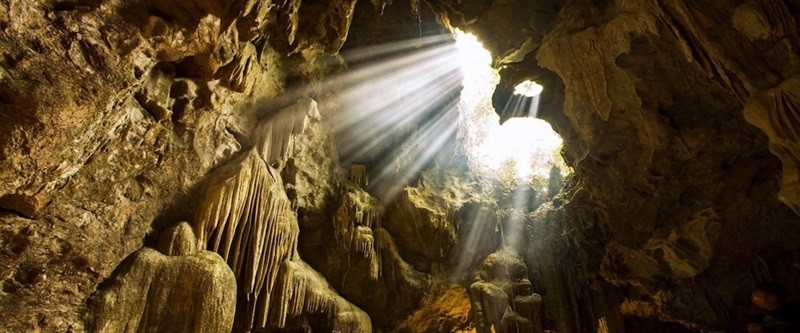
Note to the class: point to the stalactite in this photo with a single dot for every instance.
(391, 264)
(355, 219)
(235, 74)
(359, 175)
(246, 217)
(303, 290)
(777, 112)
(275, 136)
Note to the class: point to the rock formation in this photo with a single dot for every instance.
(178, 290)
(246, 217)
(502, 297)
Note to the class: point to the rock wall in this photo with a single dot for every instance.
(179, 289)
(113, 114)
(675, 194)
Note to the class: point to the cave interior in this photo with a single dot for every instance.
(329, 166)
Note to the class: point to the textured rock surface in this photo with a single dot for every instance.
(341, 233)
(424, 216)
(246, 217)
(776, 112)
(443, 309)
(185, 294)
(502, 297)
(674, 193)
(112, 114)
(178, 290)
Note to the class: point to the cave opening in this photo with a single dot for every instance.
(525, 148)
(456, 188)
(406, 106)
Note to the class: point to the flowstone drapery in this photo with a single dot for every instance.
(246, 217)
(777, 112)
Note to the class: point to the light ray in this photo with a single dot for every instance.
(393, 48)
(396, 108)
(420, 148)
(528, 88)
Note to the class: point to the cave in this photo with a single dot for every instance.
(606, 166)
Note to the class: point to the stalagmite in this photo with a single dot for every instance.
(501, 296)
(680, 124)
(178, 290)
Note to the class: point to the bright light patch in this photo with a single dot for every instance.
(476, 66)
(528, 88)
(471, 52)
(529, 142)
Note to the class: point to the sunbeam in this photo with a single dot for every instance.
(396, 107)
(528, 88)
(400, 103)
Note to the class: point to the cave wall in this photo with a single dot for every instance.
(161, 112)
(113, 113)
(679, 122)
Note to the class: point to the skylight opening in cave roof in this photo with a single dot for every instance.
(528, 146)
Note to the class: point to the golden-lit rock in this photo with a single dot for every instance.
(181, 290)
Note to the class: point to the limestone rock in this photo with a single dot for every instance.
(685, 252)
(274, 136)
(777, 112)
(502, 298)
(669, 175)
(178, 240)
(354, 221)
(530, 308)
(751, 21)
(246, 217)
(340, 225)
(176, 292)
(111, 115)
(443, 309)
(310, 293)
(489, 305)
(246, 196)
(424, 217)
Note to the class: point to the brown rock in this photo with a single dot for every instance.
(159, 293)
